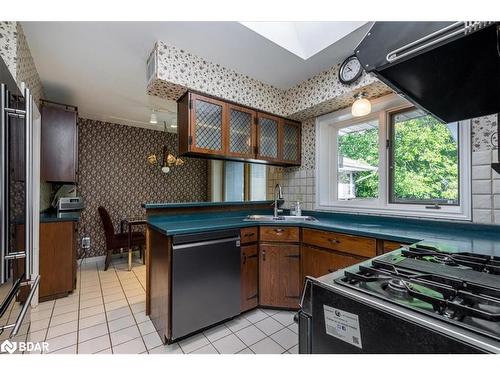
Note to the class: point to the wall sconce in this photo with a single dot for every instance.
(361, 106)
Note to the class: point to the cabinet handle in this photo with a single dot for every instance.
(333, 240)
(292, 296)
(278, 230)
(249, 234)
(264, 255)
(244, 259)
(252, 256)
(292, 256)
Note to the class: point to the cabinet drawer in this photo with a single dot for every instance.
(249, 235)
(366, 247)
(318, 262)
(391, 245)
(279, 234)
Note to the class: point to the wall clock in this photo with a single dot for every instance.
(350, 70)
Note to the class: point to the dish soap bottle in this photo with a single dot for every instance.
(298, 209)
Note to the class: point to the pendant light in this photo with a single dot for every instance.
(361, 106)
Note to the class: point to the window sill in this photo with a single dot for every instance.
(447, 213)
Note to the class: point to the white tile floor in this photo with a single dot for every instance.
(106, 314)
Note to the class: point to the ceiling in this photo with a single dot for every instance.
(101, 66)
(304, 39)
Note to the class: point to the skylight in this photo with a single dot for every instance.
(304, 39)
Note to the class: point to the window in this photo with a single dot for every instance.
(424, 159)
(357, 161)
(398, 160)
(234, 184)
(258, 183)
(235, 181)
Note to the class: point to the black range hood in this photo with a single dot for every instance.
(449, 69)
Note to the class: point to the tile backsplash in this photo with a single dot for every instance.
(485, 181)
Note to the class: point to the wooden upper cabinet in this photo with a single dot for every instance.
(208, 133)
(291, 142)
(213, 128)
(268, 137)
(59, 143)
(241, 131)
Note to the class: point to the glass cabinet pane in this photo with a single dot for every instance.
(290, 142)
(240, 132)
(268, 138)
(208, 125)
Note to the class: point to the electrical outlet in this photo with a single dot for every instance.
(86, 243)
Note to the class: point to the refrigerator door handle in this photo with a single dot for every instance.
(28, 123)
(3, 193)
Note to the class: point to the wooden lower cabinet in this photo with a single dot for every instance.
(249, 277)
(317, 262)
(391, 246)
(279, 275)
(57, 259)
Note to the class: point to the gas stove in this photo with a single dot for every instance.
(474, 261)
(460, 288)
(450, 301)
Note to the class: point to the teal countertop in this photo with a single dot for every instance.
(453, 236)
(149, 206)
(50, 217)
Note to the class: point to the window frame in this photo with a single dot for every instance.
(326, 170)
(390, 161)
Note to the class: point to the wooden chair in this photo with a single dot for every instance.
(117, 241)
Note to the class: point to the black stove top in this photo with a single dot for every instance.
(459, 288)
(477, 262)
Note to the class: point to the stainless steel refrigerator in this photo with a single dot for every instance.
(19, 184)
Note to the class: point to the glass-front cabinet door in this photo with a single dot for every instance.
(291, 140)
(207, 133)
(268, 135)
(241, 127)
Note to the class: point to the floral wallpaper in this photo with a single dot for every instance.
(114, 173)
(484, 133)
(8, 45)
(15, 52)
(178, 70)
(26, 70)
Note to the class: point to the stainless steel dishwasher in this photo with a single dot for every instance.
(205, 280)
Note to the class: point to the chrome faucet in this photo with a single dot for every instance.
(280, 196)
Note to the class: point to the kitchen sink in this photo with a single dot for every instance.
(279, 218)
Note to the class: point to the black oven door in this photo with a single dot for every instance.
(376, 331)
